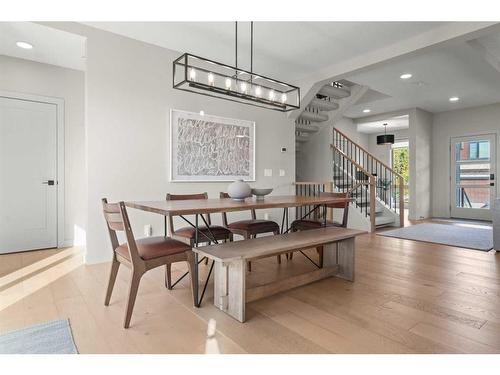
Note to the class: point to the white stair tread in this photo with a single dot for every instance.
(307, 128)
(383, 220)
(323, 105)
(335, 92)
(313, 116)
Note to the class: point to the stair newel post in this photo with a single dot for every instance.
(372, 203)
(401, 201)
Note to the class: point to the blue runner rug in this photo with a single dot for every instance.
(47, 338)
(470, 236)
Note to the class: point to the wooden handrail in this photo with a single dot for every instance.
(350, 159)
(368, 152)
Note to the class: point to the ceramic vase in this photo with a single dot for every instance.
(239, 190)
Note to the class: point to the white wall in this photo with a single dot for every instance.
(314, 162)
(129, 96)
(23, 76)
(420, 189)
(465, 122)
(383, 152)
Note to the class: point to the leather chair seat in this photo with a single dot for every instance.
(154, 247)
(305, 224)
(190, 232)
(255, 226)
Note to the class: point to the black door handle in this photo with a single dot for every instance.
(49, 182)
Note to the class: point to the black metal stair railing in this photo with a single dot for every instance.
(389, 185)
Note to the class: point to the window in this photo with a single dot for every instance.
(479, 150)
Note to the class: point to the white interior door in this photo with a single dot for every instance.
(28, 175)
(473, 176)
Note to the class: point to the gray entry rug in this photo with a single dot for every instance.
(476, 237)
(47, 338)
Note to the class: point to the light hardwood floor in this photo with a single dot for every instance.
(408, 297)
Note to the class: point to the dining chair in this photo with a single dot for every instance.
(305, 224)
(188, 234)
(141, 255)
(250, 228)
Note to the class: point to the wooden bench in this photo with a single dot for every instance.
(230, 292)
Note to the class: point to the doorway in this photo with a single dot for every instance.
(400, 162)
(31, 165)
(472, 172)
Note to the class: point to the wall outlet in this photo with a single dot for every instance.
(268, 172)
(148, 230)
(282, 172)
(283, 149)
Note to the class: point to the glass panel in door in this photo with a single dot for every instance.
(473, 172)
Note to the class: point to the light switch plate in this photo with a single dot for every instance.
(282, 172)
(268, 172)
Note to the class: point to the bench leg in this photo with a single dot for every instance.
(345, 259)
(230, 289)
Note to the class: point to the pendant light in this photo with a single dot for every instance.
(385, 139)
(211, 78)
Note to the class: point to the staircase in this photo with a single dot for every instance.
(329, 98)
(378, 191)
(377, 188)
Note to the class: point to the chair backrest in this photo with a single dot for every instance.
(223, 195)
(117, 220)
(342, 205)
(182, 197)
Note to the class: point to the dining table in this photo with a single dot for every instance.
(200, 207)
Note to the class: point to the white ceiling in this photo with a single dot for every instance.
(457, 70)
(290, 51)
(377, 127)
(50, 46)
(287, 51)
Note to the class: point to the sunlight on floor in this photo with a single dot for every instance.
(26, 281)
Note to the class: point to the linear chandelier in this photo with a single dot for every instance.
(207, 77)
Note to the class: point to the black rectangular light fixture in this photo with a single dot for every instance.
(207, 77)
(385, 139)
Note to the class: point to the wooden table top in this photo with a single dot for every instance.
(205, 206)
(271, 245)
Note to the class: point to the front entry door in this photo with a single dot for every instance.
(473, 176)
(28, 175)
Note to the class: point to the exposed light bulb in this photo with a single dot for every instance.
(258, 91)
(243, 87)
(271, 95)
(192, 74)
(283, 98)
(228, 83)
(211, 79)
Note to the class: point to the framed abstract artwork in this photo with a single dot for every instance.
(210, 148)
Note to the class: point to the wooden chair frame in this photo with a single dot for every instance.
(244, 233)
(117, 220)
(170, 220)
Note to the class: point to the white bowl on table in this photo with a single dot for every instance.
(260, 193)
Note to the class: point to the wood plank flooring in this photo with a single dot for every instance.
(408, 297)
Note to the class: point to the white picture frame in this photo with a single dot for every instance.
(206, 148)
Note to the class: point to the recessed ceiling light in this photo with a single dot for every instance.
(367, 110)
(202, 113)
(454, 99)
(405, 76)
(24, 45)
